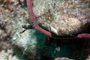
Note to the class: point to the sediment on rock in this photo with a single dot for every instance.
(62, 17)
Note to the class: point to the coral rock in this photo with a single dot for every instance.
(62, 17)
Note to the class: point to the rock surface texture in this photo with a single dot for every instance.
(31, 41)
(62, 17)
(56, 16)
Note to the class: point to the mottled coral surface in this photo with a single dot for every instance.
(31, 42)
(62, 17)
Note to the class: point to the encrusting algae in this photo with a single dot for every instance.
(62, 17)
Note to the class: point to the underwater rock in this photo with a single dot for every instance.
(11, 4)
(5, 43)
(62, 17)
(31, 41)
(8, 55)
(63, 58)
(2, 35)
